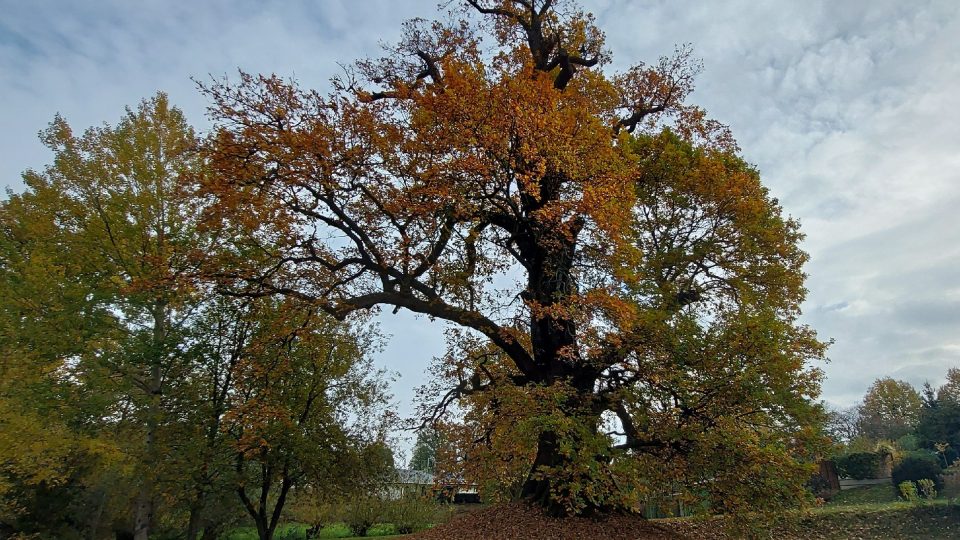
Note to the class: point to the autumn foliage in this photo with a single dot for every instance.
(136, 398)
(624, 292)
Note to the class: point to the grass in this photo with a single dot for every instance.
(880, 493)
(935, 520)
(298, 532)
(877, 512)
(870, 512)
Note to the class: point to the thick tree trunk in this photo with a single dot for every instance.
(553, 335)
(542, 489)
(536, 488)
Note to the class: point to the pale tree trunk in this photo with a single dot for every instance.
(145, 499)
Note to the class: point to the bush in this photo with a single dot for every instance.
(320, 515)
(914, 469)
(410, 514)
(362, 513)
(859, 466)
(927, 488)
(926, 455)
(908, 491)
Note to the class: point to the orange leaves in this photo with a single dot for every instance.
(646, 92)
(600, 232)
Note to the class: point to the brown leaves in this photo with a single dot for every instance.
(600, 232)
(520, 521)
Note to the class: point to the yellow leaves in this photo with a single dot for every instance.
(654, 266)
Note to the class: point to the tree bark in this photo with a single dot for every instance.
(555, 348)
(144, 512)
(537, 489)
(194, 525)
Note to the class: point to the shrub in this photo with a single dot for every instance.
(858, 466)
(927, 488)
(410, 514)
(908, 443)
(290, 533)
(362, 513)
(914, 469)
(320, 515)
(908, 491)
(927, 455)
(886, 448)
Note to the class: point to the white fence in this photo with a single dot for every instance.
(850, 483)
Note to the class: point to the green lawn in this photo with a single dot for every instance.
(872, 512)
(935, 520)
(298, 532)
(876, 512)
(880, 493)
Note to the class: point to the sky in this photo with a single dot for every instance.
(850, 110)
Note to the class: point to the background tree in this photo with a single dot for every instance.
(890, 410)
(117, 197)
(939, 422)
(950, 390)
(299, 377)
(844, 425)
(657, 283)
(425, 450)
(121, 364)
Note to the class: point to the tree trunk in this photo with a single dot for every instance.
(93, 531)
(553, 336)
(193, 524)
(144, 512)
(542, 489)
(536, 488)
(264, 531)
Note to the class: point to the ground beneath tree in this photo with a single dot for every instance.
(521, 521)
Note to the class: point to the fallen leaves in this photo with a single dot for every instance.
(521, 521)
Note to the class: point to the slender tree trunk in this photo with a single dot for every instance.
(94, 525)
(264, 532)
(144, 513)
(193, 524)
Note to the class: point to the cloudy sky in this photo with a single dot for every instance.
(850, 109)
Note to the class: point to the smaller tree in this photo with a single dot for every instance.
(844, 425)
(301, 378)
(950, 391)
(890, 410)
(425, 450)
(939, 422)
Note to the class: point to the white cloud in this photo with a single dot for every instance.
(849, 109)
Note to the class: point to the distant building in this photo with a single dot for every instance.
(409, 482)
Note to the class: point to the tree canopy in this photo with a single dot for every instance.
(623, 292)
(890, 409)
(135, 398)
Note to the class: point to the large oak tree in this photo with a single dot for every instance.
(621, 280)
